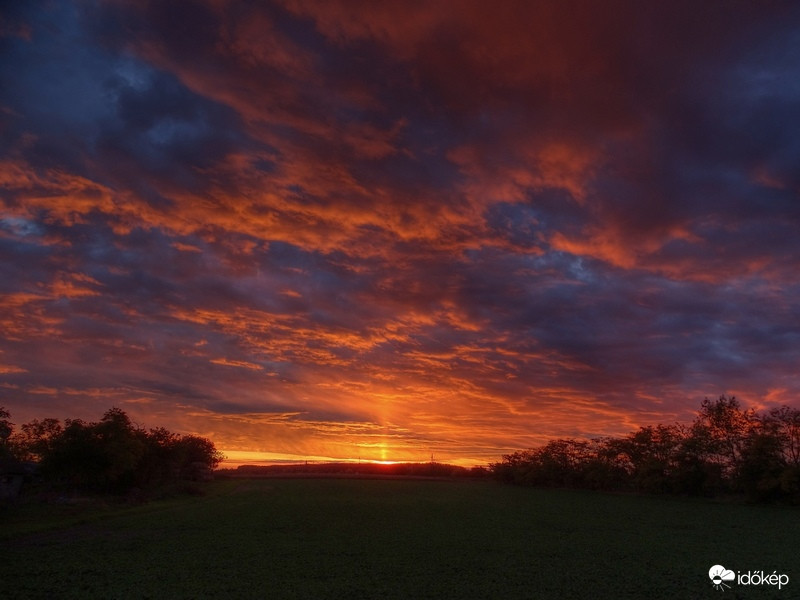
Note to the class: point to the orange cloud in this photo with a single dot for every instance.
(237, 363)
(389, 230)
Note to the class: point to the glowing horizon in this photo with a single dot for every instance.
(302, 230)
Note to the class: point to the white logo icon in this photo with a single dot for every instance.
(719, 575)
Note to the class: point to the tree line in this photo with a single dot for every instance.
(725, 450)
(357, 469)
(110, 456)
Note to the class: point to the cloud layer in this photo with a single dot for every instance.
(386, 230)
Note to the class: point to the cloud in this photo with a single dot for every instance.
(397, 228)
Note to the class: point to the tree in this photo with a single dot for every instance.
(6, 435)
(197, 456)
(510, 469)
(72, 459)
(6, 426)
(785, 423)
(770, 465)
(6, 431)
(724, 428)
(649, 456)
(36, 438)
(160, 463)
(560, 462)
(113, 455)
(604, 467)
(694, 474)
(762, 466)
(120, 448)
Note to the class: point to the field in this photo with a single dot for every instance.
(339, 538)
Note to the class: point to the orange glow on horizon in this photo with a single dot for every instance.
(236, 458)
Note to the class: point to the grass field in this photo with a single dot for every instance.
(335, 538)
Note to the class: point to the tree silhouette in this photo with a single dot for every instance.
(112, 455)
(6, 426)
(6, 429)
(725, 428)
(725, 450)
(36, 438)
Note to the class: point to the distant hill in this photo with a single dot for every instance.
(350, 469)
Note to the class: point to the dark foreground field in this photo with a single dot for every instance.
(334, 538)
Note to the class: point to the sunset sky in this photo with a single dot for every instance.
(391, 230)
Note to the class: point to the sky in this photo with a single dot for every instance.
(390, 230)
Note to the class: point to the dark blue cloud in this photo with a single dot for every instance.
(541, 221)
